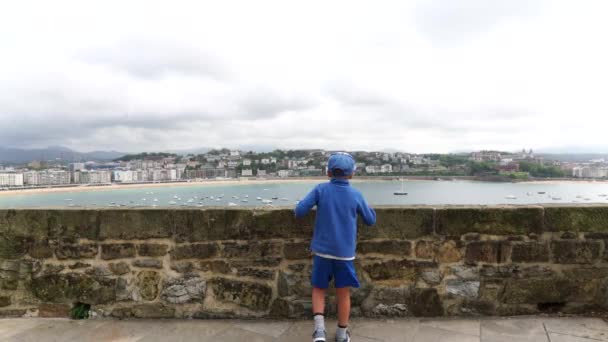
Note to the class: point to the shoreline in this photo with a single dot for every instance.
(116, 186)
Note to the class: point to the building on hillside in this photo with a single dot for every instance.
(77, 167)
(96, 177)
(246, 162)
(261, 173)
(246, 173)
(386, 168)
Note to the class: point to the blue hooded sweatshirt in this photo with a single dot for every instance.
(337, 204)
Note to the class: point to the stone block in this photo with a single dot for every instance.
(40, 250)
(575, 252)
(128, 224)
(253, 296)
(117, 251)
(119, 268)
(22, 223)
(387, 301)
(153, 310)
(399, 224)
(537, 290)
(80, 251)
(12, 246)
(294, 283)
(215, 266)
(5, 301)
(407, 270)
(251, 249)
(394, 247)
(78, 265)
(259, 273)
(148, 283)
(449, 251)
(425, 302)
(297, 250)
(462, 288)
(148, 263)
(194, 251)
(152, 249)
(72, 224)
(99, 271)
(530, 252)
(72, 287)
(487, 251)
(494, 221)
(577, 219)
(464, 272)
(54, 310)
(184, 290)
(12, 313)
(426, 249)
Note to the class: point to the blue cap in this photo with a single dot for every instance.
(342, 161)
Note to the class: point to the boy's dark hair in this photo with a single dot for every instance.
(337, 173)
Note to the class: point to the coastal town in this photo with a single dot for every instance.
(220, 164)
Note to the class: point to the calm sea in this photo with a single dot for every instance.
(286, 194)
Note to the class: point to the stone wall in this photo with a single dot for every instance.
(417, 261)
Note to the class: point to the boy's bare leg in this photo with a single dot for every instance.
(343, 297)
(318, 300)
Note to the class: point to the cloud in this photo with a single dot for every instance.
(156, 58)
(447, 22)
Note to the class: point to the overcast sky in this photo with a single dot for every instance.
(418, 76)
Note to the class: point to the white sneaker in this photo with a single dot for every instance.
(318, 336)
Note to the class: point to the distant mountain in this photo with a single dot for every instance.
(21, 156)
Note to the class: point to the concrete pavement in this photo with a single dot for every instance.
(519, 329)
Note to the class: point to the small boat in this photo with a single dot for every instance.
(258, 198)
(156, 200)
(541, 192)
(556, 198)
(529, 193)
(211, 197)
(402, 192)
(230, 204)
(246, 196)
(235, 197)
(244, 200)
(275, 198)
(265, 189)
(172, 202)
(267, 201)
(579, 196)
(143, 199)
(67, 199)
(175, 196)
(587, 199)
(510, 197)
(602, 195)
(190, 200)
(284, 199)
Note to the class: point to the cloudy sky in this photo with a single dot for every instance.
(419, 76)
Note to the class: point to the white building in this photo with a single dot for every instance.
(11, 179)
(261, 173)
(233, 163)
(246, 162)
(122, 176)
(246, 173)
(372, 169)
(235, 153)
(386, 168)
(47, 177)
(77, 167)
(265, 161)
(284, 173)
(96, 177)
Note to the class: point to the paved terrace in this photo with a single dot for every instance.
(520, 329)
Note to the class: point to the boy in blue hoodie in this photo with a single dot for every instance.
(334, 240)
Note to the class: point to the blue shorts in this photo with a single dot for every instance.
(343, 272)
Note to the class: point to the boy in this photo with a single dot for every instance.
(334, 240)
